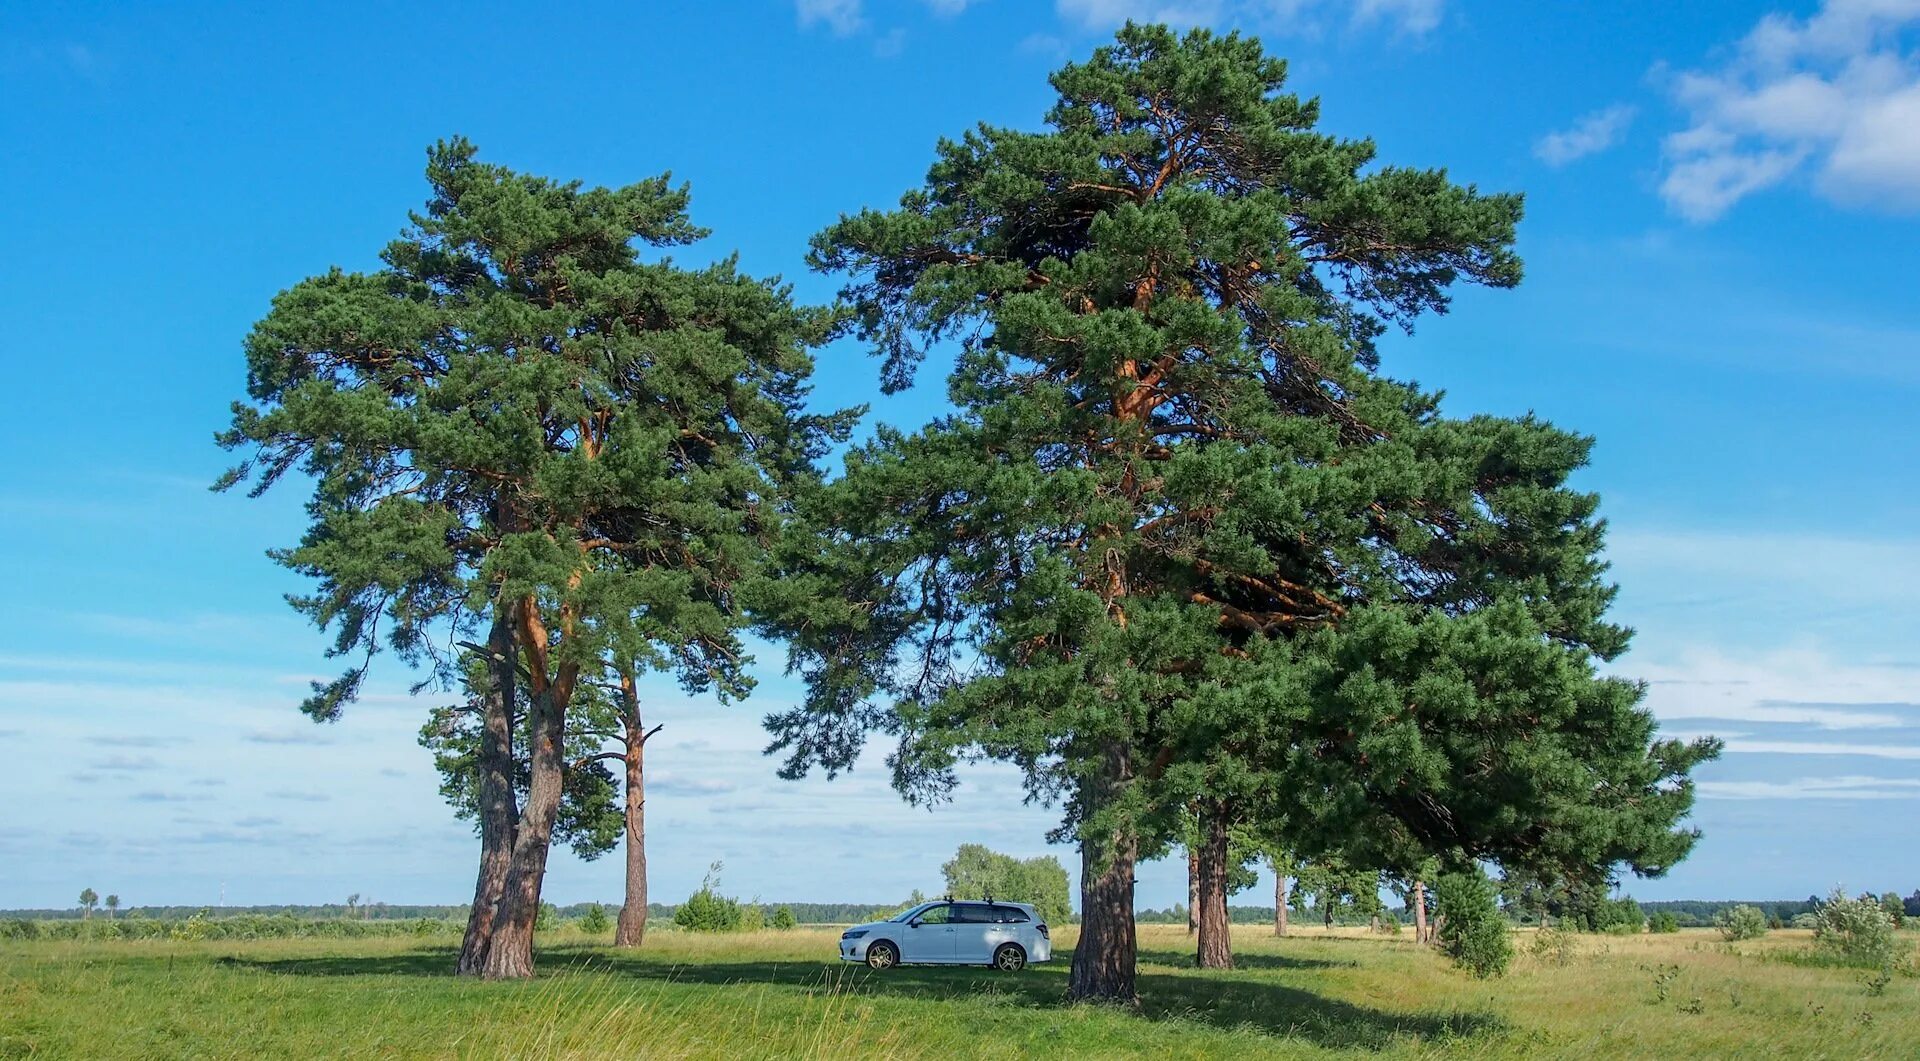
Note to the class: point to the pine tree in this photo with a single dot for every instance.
(518, 424)
(1181, 540)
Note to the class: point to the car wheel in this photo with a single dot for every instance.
(882, 955)
(1009, 958)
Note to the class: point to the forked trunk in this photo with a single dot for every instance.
(510, 954)
(1279, 901)
(1193, 890)
(1216, 949)
(633, 913)
(499, 813)
(1104, 960)
(1420, 913)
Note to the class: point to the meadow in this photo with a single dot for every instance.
(778, 994)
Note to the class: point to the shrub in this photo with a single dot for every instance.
(1807, 920)
(1616, 916)
(783, 918)
(1554, 944)
(1663, 921)
(1857, 931)
(595, 921)
(1472, 933)
(1896, 909)
(707, 910)
(547, 919)
(192, 929)
(1741, 922)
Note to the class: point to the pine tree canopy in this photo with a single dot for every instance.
(1180, 534)
(519, 406)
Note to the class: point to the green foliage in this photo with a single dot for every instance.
(1179, 517)
(1742, 922)
(547, 919)
(595, 921)
(89, 899)
(707, 910)
(1335, 892)
(1890, 902)
(975, 872)
(1859, 932)
(1472, 932)
(1663, 921)
(783, 918)
(1620, 917)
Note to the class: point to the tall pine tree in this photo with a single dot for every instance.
(519, 423)
(1180, 538)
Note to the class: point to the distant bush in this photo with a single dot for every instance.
(707, 910)
(1663, 921)
(1616, 916)
(1805, 921)
(1858, 932)
(547, 919)
(1554, 945)
(1896, 908)
(1741, 922)
(783, 918)
(595, 921)
(1472, 933)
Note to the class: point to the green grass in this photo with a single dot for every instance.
(772, 995)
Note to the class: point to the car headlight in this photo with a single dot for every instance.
(853, 933)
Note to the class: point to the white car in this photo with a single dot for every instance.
(1005, 936)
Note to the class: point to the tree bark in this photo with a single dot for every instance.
(1420, 913)
(509, 955)
(499, 812)
(1279, 901)
(632, 929)
(1216, 948)
(1104, 961)
(1193, 890)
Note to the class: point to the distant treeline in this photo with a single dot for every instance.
(805, 913)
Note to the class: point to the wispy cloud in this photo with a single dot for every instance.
(1814, 788)
(125, 763)
(1406, 17)
(299, 797)
(1796, 747)
(1839, 89)
(1802, 687)
(842, 17)
(156, 796)
(312, 735)
(1590, 135)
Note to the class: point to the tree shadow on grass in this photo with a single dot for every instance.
(1243, 998)
(1179, 958)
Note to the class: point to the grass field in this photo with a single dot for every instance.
(776, 995)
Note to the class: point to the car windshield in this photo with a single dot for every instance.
(907, 914)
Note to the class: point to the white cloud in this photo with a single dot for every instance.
(1838, 91)
(1795, 687)
(1594, 133)
(949, 8)
(1800, 747)
(843, 17)
(1814, 788)
(1410, 17)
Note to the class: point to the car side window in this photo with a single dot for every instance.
(973, 914)
(936, 915)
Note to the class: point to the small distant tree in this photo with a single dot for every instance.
(1741, 922)
(113, 903)
(1896, 910)
(595, 921)
(783, 918)
(547, 919)
(707, 910)
(1663, 921)
(1472, 932)
(976, 872)
(88, 900)
(1857, 931)
(353, 903)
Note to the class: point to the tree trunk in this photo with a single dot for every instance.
(510, 954)
(1104, 961)
(1420, 913)
(1279, 901)
(499, 814)
(1216, 948)
(633, 913)
(1193, 890)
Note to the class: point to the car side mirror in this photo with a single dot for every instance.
(915, 923)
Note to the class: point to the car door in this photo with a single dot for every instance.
(976, 932)
(929, 936)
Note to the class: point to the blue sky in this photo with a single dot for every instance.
(1723, 248)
